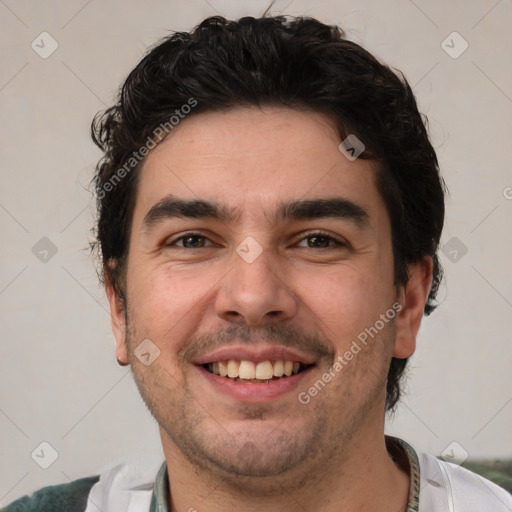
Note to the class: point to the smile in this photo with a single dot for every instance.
(255, 372)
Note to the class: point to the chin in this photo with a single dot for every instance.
(244, 453)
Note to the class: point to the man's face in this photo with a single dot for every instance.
(264, 272)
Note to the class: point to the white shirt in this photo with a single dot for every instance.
(140, 485)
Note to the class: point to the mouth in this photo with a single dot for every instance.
(256, 372)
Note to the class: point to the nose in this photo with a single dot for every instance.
(256, 293)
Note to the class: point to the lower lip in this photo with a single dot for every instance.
(255, 393)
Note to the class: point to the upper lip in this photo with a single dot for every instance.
(256, 353)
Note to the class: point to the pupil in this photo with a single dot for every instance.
(193, 241)
(318, 241)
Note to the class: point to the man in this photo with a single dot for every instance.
(270, 208)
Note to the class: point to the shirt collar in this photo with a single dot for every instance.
(160, 497)
(411, 460)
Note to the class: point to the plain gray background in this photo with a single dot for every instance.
(59, 378)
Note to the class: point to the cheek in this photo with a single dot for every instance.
(344, 301)
(166, 300)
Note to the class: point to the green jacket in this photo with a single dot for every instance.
(71, 497)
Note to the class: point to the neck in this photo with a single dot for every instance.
(359, 476)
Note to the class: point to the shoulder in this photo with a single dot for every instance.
(453, 487)
(70, 497)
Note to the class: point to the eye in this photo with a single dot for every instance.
(191, 241)
(312, 241)
(320, 241)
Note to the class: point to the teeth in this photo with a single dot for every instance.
(233, 367)
(247, 370)
(223, 369)
(264, 370)
(252, 371)
(278, 368)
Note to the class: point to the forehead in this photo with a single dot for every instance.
(253, 159)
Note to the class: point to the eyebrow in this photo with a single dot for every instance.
(335, 207)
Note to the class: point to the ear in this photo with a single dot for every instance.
(412, 297)
(117, 317)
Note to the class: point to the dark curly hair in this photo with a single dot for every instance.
(298, 63)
